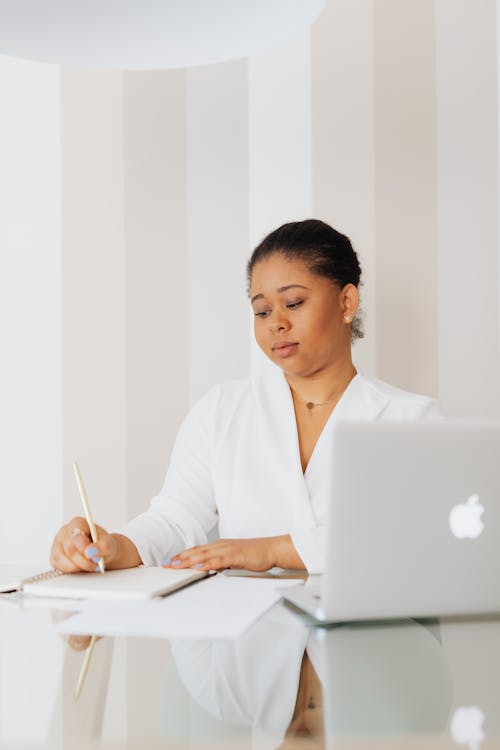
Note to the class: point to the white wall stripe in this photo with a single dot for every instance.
(469, 362)
(279, 143)
(30, 309)
(30, 379)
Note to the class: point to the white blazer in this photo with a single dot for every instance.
(236, 460)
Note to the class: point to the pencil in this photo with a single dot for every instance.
(86, 509)
(84, 668)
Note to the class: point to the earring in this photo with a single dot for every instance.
(347, 318)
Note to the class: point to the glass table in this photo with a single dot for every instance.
(283, 684)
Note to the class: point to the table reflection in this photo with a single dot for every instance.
(258, 679)
(386, 679)
(293, 686)
(292, 682)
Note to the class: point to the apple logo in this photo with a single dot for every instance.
(465, 519)
(467, 726)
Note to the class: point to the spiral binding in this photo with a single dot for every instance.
(46, 576)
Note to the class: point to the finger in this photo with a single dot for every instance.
(201, 551)
(211, 557)
(188, 558)
(78, 523)
(105, 546)
(192, 552)
(80, 540)
(60, 561)
(87, 548)
(81, 560)
(79, 642)
(101, 531)
(224, 554)
(93, 550)
(215, 562)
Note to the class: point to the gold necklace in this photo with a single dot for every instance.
(311, 404)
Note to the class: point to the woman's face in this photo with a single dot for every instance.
(299, 317)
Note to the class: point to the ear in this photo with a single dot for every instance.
(349, 301)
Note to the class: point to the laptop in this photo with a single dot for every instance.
(414, 522)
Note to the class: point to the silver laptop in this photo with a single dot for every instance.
(414, 523)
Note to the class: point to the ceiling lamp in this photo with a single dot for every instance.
(148, 34)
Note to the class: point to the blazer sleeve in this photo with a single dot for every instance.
(432, 411)
(311, 547)
(184, 511)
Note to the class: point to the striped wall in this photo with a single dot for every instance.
(131, 202)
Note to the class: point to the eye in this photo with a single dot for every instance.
(260, 314)
(294, 305)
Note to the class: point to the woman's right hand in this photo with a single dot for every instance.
(73, 549)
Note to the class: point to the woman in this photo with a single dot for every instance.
(254, 453)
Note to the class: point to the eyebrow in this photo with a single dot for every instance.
(280, 290)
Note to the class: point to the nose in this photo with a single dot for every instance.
(278, 322)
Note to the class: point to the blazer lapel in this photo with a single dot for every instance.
(359, 402)
(276, 400)
(304, 492)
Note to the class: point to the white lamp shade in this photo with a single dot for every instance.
(148, 34)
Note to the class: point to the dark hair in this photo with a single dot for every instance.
(325, 251)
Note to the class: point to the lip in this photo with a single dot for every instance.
(282, 344)
(285, 348)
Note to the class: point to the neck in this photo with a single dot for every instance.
(323, 384)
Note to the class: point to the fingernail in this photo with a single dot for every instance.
(199, 565)
(176, 562)
(97, 568)
(91, 552)
(96, 558)
(167, 561)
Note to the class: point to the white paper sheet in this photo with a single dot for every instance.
(23, 601)
(218, 607)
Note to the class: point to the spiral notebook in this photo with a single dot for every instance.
(131, 583)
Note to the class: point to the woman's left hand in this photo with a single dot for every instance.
(251, 554)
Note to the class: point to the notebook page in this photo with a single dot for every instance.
(131, 583)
